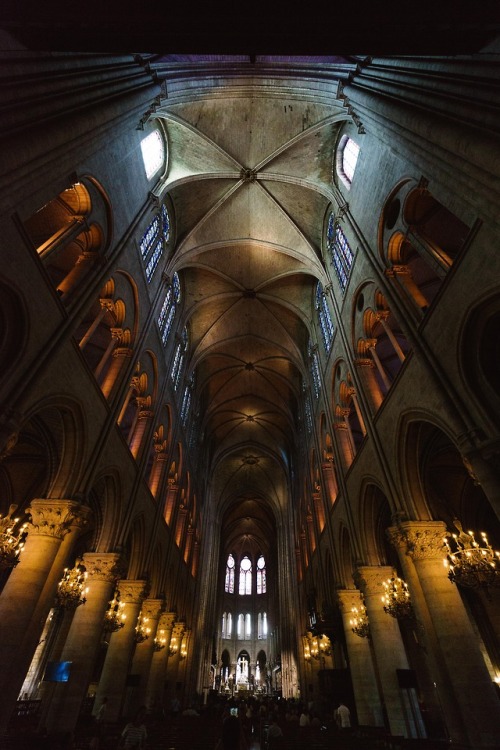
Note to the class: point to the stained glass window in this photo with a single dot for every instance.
(154, 240)
(179, 357)
(168, 309)
(229, 586)
(153, 153)
(340, 252)
(261, 575)
(245, 577)
(314, 364)
(350, 153)
(325, 318)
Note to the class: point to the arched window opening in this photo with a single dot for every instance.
(245, 587)
(443, 232)
(248, 627)
(325, 318)
(340, 252)
(262, 625)
(346, 160)
(417, 273)
(261, 575)
(66, 239)
(153, 153)
(229, 582)
(227, 625)
(241, 627)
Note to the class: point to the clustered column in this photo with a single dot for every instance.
(441, 610)
(83, 640)
(51, 521)
(388, 646)
(364, 682)
(120, 649)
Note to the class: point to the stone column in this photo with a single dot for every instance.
(172, 492)
(449, 630)
(141, 664)
(370, 384)
(83, 640)
(330, 479)
(388, 646)
(364, 681)
(121, 645)
(157, 673)
(174, 654)
(51, 521)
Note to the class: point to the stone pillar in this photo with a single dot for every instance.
(51, 521)
(449, 630)
(144, 419)
(364, 681)
(157, 673)
(173, 657)
(83, 640)
(388, 647)
(170, 502)
(371, 387)
(330, 479)
(118, 362)
(141, 664)
(121, 645)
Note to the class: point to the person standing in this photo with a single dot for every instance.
(135, 735)
(343, 716)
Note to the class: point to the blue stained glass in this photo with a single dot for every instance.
(340, 251)
(165, 222)
(154, 260)
(149, 237)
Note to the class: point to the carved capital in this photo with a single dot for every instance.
(419, 539)
(348, 599)
(151, 608)
(56, 518)
(132, 592)
(167, 620)
(102, 566)
(369, 578)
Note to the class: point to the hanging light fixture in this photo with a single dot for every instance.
(325, 646)
(359, 622)
(183, 652)
(11, 541)
(396, 599)
(174, 646)
(471, 563)
(142, 630)
(114, 618)
(160, 641)
(71, 588)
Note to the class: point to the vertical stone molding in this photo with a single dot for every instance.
(83, 640)
(364, 681)
(467, 676)
(173, 658)
(120, 650)
(30, 590)
(154, 690)
(141, 664)
(388, 647)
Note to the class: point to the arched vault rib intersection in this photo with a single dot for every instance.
(250, 183)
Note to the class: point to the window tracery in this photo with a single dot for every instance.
(229, 583)
(340, 252)
(245, 585)
(325, 318)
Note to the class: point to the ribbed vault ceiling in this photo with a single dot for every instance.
(250, 178)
